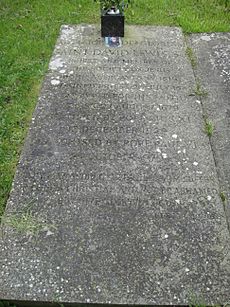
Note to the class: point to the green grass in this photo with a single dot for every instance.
(191, 15)
(6, 304)
(199, 90)
(26, 223)
(191, 56)
(223, 197)
(23, 223)
(209, 127)
(28, 31)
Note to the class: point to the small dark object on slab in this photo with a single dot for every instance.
(112, 25)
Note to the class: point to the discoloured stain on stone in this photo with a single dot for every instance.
(56, 63)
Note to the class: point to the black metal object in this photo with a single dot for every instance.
(112, 25)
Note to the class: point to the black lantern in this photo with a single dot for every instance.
(112, 19)
(112, 24)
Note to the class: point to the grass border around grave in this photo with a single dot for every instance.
(28, 32)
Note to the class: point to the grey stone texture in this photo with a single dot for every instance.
(212, 51)
(116, 198)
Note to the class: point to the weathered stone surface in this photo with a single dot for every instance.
(117, 185)
(213, 70)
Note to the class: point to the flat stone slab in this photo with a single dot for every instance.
(212, 51)
(116, 198)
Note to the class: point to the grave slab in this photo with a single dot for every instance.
(116, 198)
(213, 72)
